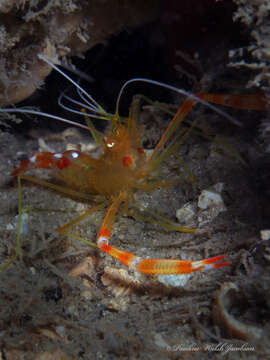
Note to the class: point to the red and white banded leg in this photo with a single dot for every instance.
(150, 266)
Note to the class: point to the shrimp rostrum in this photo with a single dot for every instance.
(121, 169)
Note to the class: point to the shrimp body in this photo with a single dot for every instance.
(120, 170)
(116, 174)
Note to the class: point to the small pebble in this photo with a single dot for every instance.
(186, 215)
(179, 280)
(265, 234)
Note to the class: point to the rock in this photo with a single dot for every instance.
(186, 215)
(211, 204)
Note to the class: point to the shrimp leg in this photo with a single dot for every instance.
(237, 101)
(242, 102)
(149, 266)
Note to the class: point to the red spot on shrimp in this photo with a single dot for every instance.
(62, 163)
(127, 161)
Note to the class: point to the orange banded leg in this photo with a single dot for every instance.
(105, 230)
(238, 101)
(150, 266)
(163, 266)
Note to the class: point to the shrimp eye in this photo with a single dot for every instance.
(110, 144)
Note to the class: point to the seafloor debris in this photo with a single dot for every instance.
(86, 270)
(210, 205)
(227, 298)
(121, 284)
(52, 355)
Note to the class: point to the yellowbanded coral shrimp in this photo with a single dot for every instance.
(123, 167)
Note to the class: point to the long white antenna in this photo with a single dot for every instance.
(96, 114)
(92, 105)
(49, 62)
(40, 113)
(96, 111)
